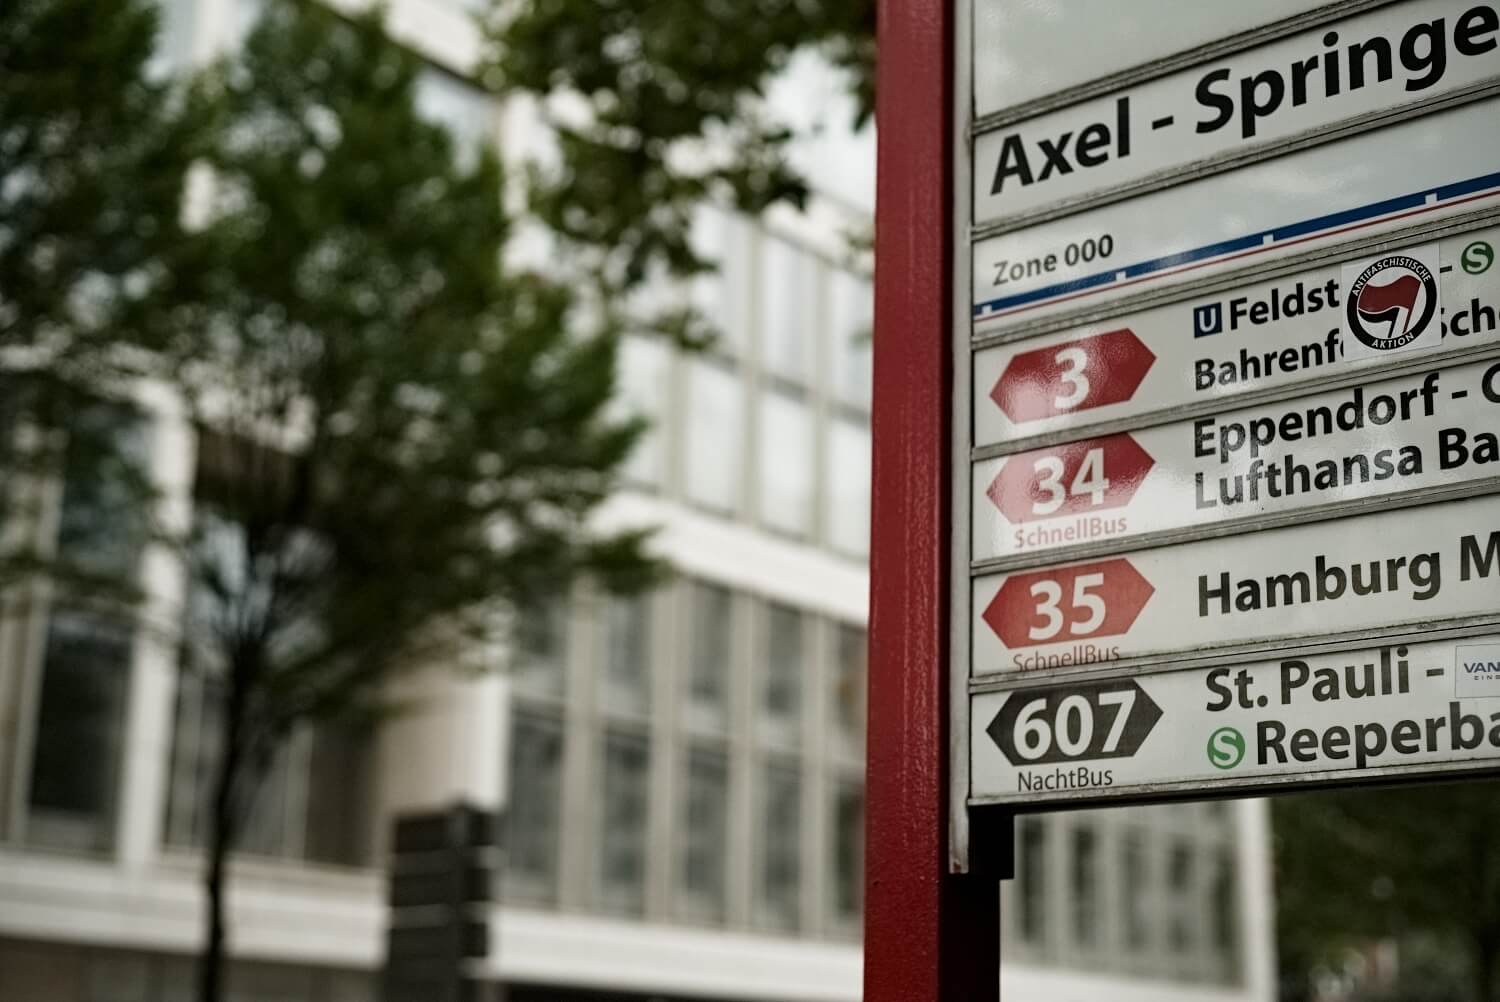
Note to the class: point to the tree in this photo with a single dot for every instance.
(1353, 867)
(658, 108)
(397, 431)
(94, 150)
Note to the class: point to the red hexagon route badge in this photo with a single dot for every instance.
(1066, 604)
(1096, 474)
(1073, 376)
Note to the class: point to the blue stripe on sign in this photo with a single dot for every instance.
(1336, 219)
(1469, 187)
(1188, 257)
(1332, 220)
(1076, 285)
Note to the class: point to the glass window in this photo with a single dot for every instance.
(852, 329)
(705, 826)
(708, 665)
(786, 463)
(218, 554)
(789, 309)
(643, 375)
(85, 677)
(847, 498)
(271, 826)
(1134, 884)
(1225, 905)
(850, 666)
(103, 522)
(339, 795)
(715, 435)
(781, 694)
(1085, 881)
(780, 870)
(721, 239)
(541, 646)
(195, 734)
(274, 819)
(308, 796)
(1033, 881)
(1181, 877)
(848, 851)
(465, 110)
(224, 586)
(622, 838)
(531, 859)
(627, 676)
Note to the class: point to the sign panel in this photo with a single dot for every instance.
(1227, 461)
(1278, 333)
(1427, 430)
(1312, 80)
(1374, 182)
(1407, 567)
(1373, 711)
(1023, 51)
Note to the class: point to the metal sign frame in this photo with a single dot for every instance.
(931, 932)
(1454, 767)
(1467, 214)
(933, 855)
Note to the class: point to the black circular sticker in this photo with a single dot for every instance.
(1391, 303)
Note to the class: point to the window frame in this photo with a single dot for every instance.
(617, 900)
(31, 607)
(529, 887)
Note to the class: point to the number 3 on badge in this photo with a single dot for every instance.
(1073, 361)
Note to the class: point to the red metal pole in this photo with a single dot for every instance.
(930, 936)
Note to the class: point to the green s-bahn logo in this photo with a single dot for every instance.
(1226, 748)
(1477, 258)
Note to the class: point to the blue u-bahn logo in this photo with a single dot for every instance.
(1208, 319)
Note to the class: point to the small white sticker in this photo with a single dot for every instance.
(1392, 303)
(1476, 670)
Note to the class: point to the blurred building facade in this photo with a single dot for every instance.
(681, 774)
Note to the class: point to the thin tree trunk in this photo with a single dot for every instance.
(221, 836)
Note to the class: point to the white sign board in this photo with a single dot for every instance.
(1313, 80)
(1270, 335)
(1408, 567)
(1382, 711)
(1424, 431)
(1373, 183)
(1024, 51)
(1226, 484)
